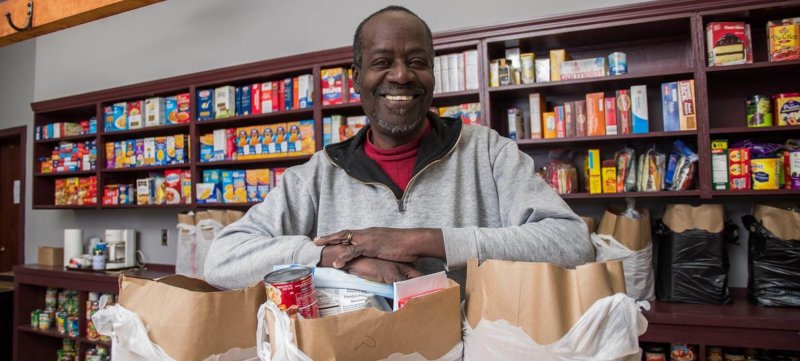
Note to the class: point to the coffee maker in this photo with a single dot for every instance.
(121, 248)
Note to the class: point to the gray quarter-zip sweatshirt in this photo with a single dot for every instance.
(470, 182)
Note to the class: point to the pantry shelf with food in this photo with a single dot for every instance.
(540, 143)
(264, 118)
(622, 195)
(745, 131)
(64, 174)
(66, 139)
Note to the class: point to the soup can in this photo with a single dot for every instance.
(758, 111)
(617, 63)
(293, 286)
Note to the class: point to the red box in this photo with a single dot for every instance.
(739, 168)
(611, 115)
(623, 111)
(255, 99)
(595, 116)
(561, 126)
(184, 104)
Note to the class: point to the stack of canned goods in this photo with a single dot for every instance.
(61, 311)
(99, 353)
(67, 352)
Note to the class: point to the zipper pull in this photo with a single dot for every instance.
(401, 206)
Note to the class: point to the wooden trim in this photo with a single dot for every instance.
(20, 133)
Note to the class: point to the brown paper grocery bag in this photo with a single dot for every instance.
(634, 234)
(191, 319)
(429, 325)
(231, 216)
(783, 223)
(707, 217)
(590, 223)
(543, 299)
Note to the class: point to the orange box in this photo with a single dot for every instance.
(595, 116)
(549, 121)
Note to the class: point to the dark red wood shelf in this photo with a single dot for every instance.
(447, 95)
(123, 206)
(345, 106)
(739, 324)
(532, 143)
(688, 193)
(50, 332)
(265, 118)
(146, 131)
(51, 206)
(601, 79)
(74, 138)
(67, 174)
(145, 168)
(94, 342)
(752, 192)
(770, 65)
(226, 205)
(755, 130)
(248, 162)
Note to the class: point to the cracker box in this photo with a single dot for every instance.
(120, 116)
(639, 120)
(224, 102)
(611, 115)
(301, 137)
(161, 150)
(739, 168)
(687, 113)
(186, 186)
(719, 164)
(595, 115)
(135, 114)
(726, 43)
(172, 186)
(623, 111)
(205, 104)
(332, 86)
(155, 112)
(669, 106)
(593, 171)
(536, 102)
(549, 121)
(255, 99)
(184, 105)
(171, 110)
(207, 193)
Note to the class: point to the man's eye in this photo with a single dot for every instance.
(418, 63)
(379, 64)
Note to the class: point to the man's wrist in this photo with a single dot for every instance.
(428, 242)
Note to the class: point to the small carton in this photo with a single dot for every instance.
(583, 68)
(526, 68)
(727, 43)
(279, 145)
(243, 100)
(569, 118)
(135, 114)
(205, 104)
(224, 102)
(593, 171)
(595, 115)
(155, 112)
(549, 120)
(783, 39)
(542, 70)
(669, 106)
(536, 108)
(611, 115)
(170, 149)
(108, 122)
(623, 111)
(332, 86)
(184, 105)
(171, 110)
(50, 256)
(305, 91)
(609, 173)
(149, 156)
(120, 115)
(143, 187)
(640, 121)
(301, 137)
(207, 193)
(255, 99)
(186, 186)
(687, 112)
(561, 126)
(110, 195)
(181, 143)
(161, 150)
(557, 57)
(172, 186)
(239, 186)
(581, 123)
(739, 168)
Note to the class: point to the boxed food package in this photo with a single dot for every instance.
(205, 104)
(639, 114)
(739, 168)
(581, 123)
(332, 86)
(536, 108)
(135, 114)
(119, 117)
(172, 186)
(171, 110)
(207, 193)
(686, 105)
(50, 256)
(224, 102)
(593, 173)
(561, 122)
(557, 57)
(623, 111)
(669, 106)
(611, 115)
(783, 39)
(184, 104)
(569, 119)
(354, 97)
(542, 69)
(583, 68)
(527, 69)
(300, 139)
(719, 164)
(728, 43)
(595, 115)
(549, 120)
(155, 112)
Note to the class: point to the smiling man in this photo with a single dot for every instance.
(409, 194)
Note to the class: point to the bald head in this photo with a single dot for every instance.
(358, 39)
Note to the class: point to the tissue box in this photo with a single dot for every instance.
(51, 256)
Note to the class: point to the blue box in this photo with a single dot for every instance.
(669, 104)
(205, 104)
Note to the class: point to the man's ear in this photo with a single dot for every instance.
(356, 79)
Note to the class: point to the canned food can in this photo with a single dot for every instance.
(61, 322)
(35, 318)
(293, 286)
(683, 352)
(72, 326)
(44, 321)
(758, 111)
(655, 354)
(50, 298)
(787, 108)
(617, 63)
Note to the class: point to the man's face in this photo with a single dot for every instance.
(395, 79)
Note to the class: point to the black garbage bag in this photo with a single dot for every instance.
(693, 264)
(774, 267)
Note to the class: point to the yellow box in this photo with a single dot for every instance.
(549, 120)
(557, 57)
(592, 168)
(609, 179)
(595, 184)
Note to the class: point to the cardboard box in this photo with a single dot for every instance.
(205, 104)
(537, 107)
(719, 164)
(584, 68)
(611, 115)
(542, 70)
(593, 171)
(580, 118)
(669, 106)
(224, 102)
(561, 125)
(686, 109)
(739, 168)
(557, 57)
(595, 115)
(569, 118)
(51, 256)
(549, 120)
(640, 121)
(727, 43)
(623, 111)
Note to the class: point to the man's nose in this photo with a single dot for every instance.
(400, 73)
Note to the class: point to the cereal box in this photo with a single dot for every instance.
(184, 105)
(224, 102)
(255, 99)
(205, 104)
(207, 193)
(669, 106)
(171, 110)
(569, 119)
(301, 137)
(611, 115)
(640, 120)
(135, 114)
(172, 186)
(686, 105)
(155, 112)
(332, 86)
(595, 115)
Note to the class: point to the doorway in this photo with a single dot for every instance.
(12, 197)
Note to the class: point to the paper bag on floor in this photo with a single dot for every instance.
(429, 326)
(634, 234)
(190, 319)
(546, 312)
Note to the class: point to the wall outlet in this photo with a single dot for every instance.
(164, 237)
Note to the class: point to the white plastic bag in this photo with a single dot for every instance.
(609, 330)
(206, 230)
(128, 334)
(286, 349)
(637, 265)
(186, 263)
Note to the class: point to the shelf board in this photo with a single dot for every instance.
(146, 168)
(226, 205)
(128, 206)
(162, 129)
(51, 332)
(600, 79)
(447, 95)
(66, 174)
(254, 118)
(94, 342)
(345, 106)
(753, 66)
(689, 193)
(265, 161)
(531, 143)
(751, 192)
(748, 130)
(73, 138)
(51, 206)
